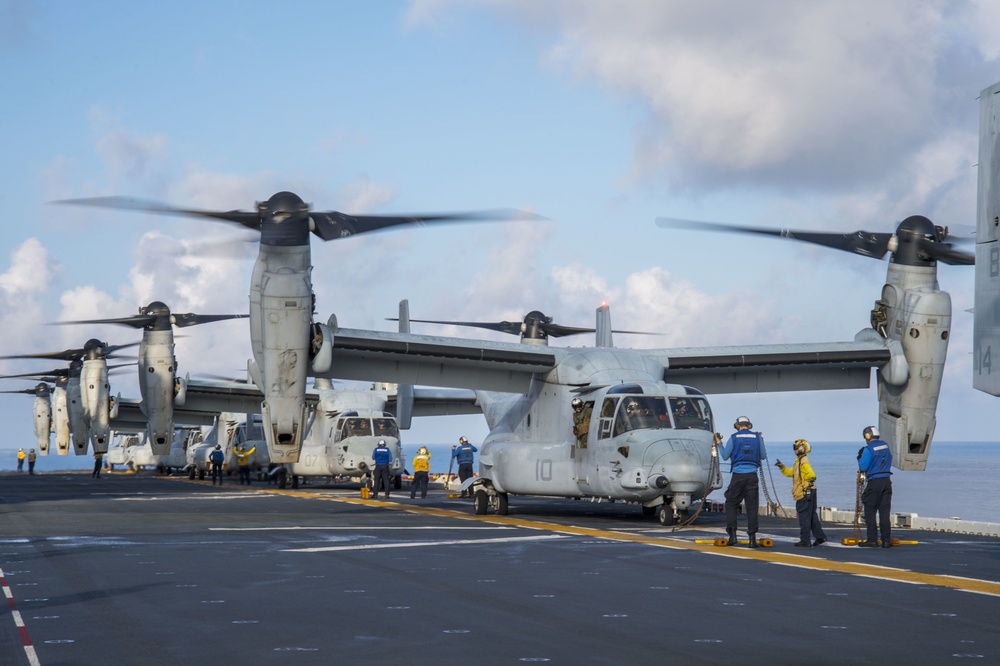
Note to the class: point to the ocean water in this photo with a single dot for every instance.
(962, 478)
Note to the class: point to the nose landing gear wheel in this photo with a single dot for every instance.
(666, 514)
(481, 502)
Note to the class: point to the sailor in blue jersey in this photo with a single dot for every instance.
(464, 453)
(382, 457)
(746, 451)
(875, 462)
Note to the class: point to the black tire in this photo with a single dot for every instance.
(201, 475)
(282, 481)
(397, 482)
(481, 502)
(666, 514)
(295, 482)
(502, 505)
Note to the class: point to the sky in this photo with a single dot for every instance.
(599, 116)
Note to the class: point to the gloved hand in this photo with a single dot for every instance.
(780, 465)
(717, 439)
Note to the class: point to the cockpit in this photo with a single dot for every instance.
(634, 411)
(363, 426)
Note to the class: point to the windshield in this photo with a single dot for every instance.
(691, 413)
(386, 428)
(641, 412)
(355, 427)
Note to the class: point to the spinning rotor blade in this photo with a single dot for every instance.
(917, 241)
(93, 349)
(333, 225)
(245, 218)
(281, 218)
(145, 320)
(860, 242)
(533, 320)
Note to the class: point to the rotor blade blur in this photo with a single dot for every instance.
(511, 327)
(947, 254)
(250, 220)
(865, 243)
(191, 319)
(332, 225)
(135, 321)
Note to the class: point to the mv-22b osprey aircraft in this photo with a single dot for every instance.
(659, 460)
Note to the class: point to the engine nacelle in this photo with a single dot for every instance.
(917, 315)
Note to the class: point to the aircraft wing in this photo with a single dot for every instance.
(426, 360)
(508, 367)
(766, 368)
(204, 400)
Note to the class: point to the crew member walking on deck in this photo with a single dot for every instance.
(875, 462)
(98, 462)
(20, 460)
(421, 467)
(746, 448)
(243, 462)
(804, 494)
(216, 458)
(464, 453)
(31, 461)
(383, 458)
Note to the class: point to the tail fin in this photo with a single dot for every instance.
(986, 326)
(404, 392)
(603, 326)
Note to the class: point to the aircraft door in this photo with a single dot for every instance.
(607, 417)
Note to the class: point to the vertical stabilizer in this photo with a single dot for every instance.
(603, 326)
(986, 327)
(404, 392)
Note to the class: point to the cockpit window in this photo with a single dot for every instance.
(641, 412)
(386, 428)
(355, 427)
(691, 412)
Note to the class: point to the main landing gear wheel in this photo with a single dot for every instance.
(666, 514)
(481, 502)
(502, 504)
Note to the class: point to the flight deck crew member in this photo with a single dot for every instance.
(746, 449)
(243, 462)
(383, 458)
(421, 467)
(31, 461)
(98, 461)
(581, 421)
(875, 462)
(464, 453)
(20, 460)
(804, 494)
(216, 458)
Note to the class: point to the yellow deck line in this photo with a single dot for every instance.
(765, 555)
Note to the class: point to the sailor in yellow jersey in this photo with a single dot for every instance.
(243, 462)
(421, 466)
(804, 494)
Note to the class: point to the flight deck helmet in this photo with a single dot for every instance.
(801, 443)
(381, 442)
(577, 403)
(870, 433)
(742, 422)
(463, 440)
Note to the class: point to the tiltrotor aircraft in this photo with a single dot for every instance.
(287, 344)
(160, 385)
(663, 466)
(43, 414)
(89, 405)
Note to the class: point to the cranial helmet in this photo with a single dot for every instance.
(381, 442)
(742, 421)
(577, 403)
(422, 450)
(463, 440)
(803, 443)
(218, 447)
(871, 432)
